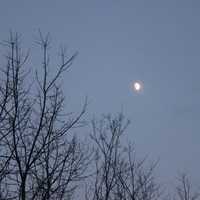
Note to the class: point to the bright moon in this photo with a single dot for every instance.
(137, 86)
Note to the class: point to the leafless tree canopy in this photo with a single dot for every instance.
(41, 158)
(118, 174)
(38, 159)
(185, 190)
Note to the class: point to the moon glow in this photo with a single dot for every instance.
(137, 86)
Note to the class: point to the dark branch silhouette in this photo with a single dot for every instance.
(38, 159)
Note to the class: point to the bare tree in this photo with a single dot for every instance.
(42, 160)
(136, 179)
(118, 175)
(106, 135)
(185, 190)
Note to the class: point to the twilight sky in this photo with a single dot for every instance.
(119, 41)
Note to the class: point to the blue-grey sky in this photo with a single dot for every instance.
(155, 41)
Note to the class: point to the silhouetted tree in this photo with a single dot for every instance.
(39, 159)
(118, 175)
(185, 190)
(136, 180)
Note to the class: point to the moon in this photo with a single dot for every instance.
(137, 86)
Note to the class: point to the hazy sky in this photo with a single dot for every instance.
(119, 41)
